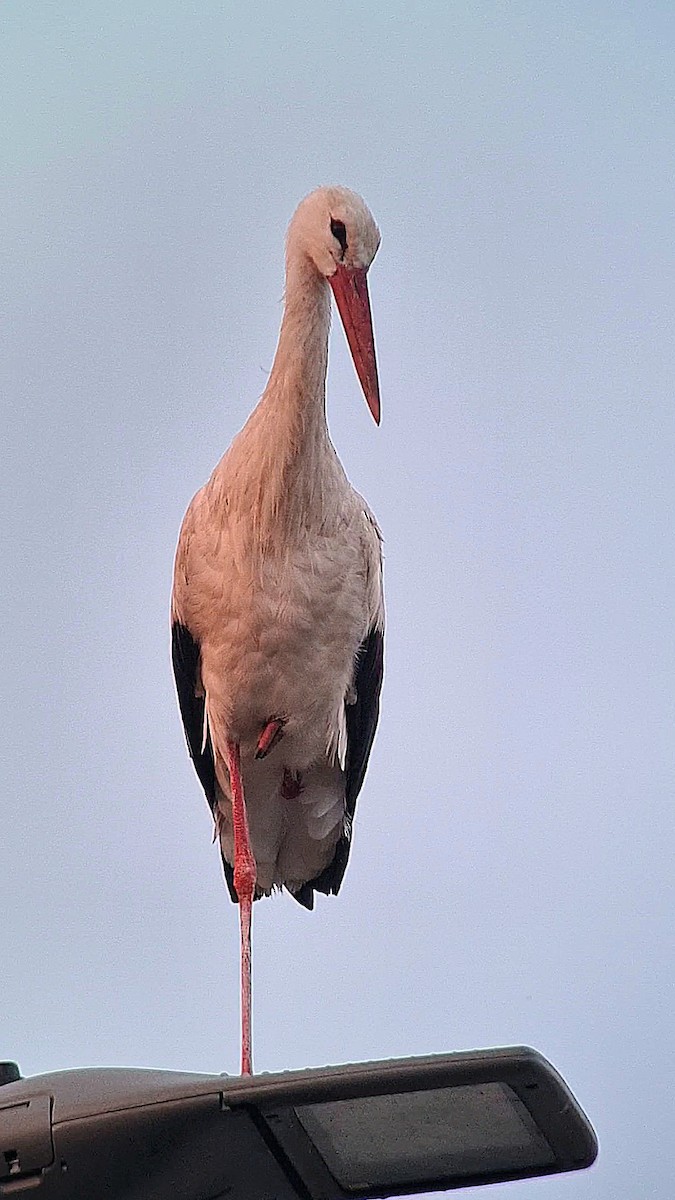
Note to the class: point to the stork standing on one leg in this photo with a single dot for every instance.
(277, 607)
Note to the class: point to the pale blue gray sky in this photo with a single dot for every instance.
(511, 875)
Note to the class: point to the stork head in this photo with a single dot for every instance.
(335, 229)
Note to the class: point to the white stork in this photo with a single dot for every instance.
(277, 607)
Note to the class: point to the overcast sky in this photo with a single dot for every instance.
(511, 876)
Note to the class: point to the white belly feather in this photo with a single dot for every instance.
(278, 638)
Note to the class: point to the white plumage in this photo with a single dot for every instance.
(278, 635)
(277, 604)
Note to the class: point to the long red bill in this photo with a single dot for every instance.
(350, 289)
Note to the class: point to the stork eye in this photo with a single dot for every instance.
(339, 232)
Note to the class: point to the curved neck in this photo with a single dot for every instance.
(275, 465)
(297, 380)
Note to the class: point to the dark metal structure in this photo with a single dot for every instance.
(360, 1131)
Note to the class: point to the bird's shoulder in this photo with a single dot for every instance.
(372, 543)
(197, 565)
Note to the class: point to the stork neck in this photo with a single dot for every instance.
(297, 383)
(277, 464)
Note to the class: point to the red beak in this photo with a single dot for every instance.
(351, 296)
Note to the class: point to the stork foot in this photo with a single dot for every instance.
(291, 786)
(271, 734)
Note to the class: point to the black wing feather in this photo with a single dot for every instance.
(362, 717)
(185, 656)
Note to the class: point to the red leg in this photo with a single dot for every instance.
(244, 883)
